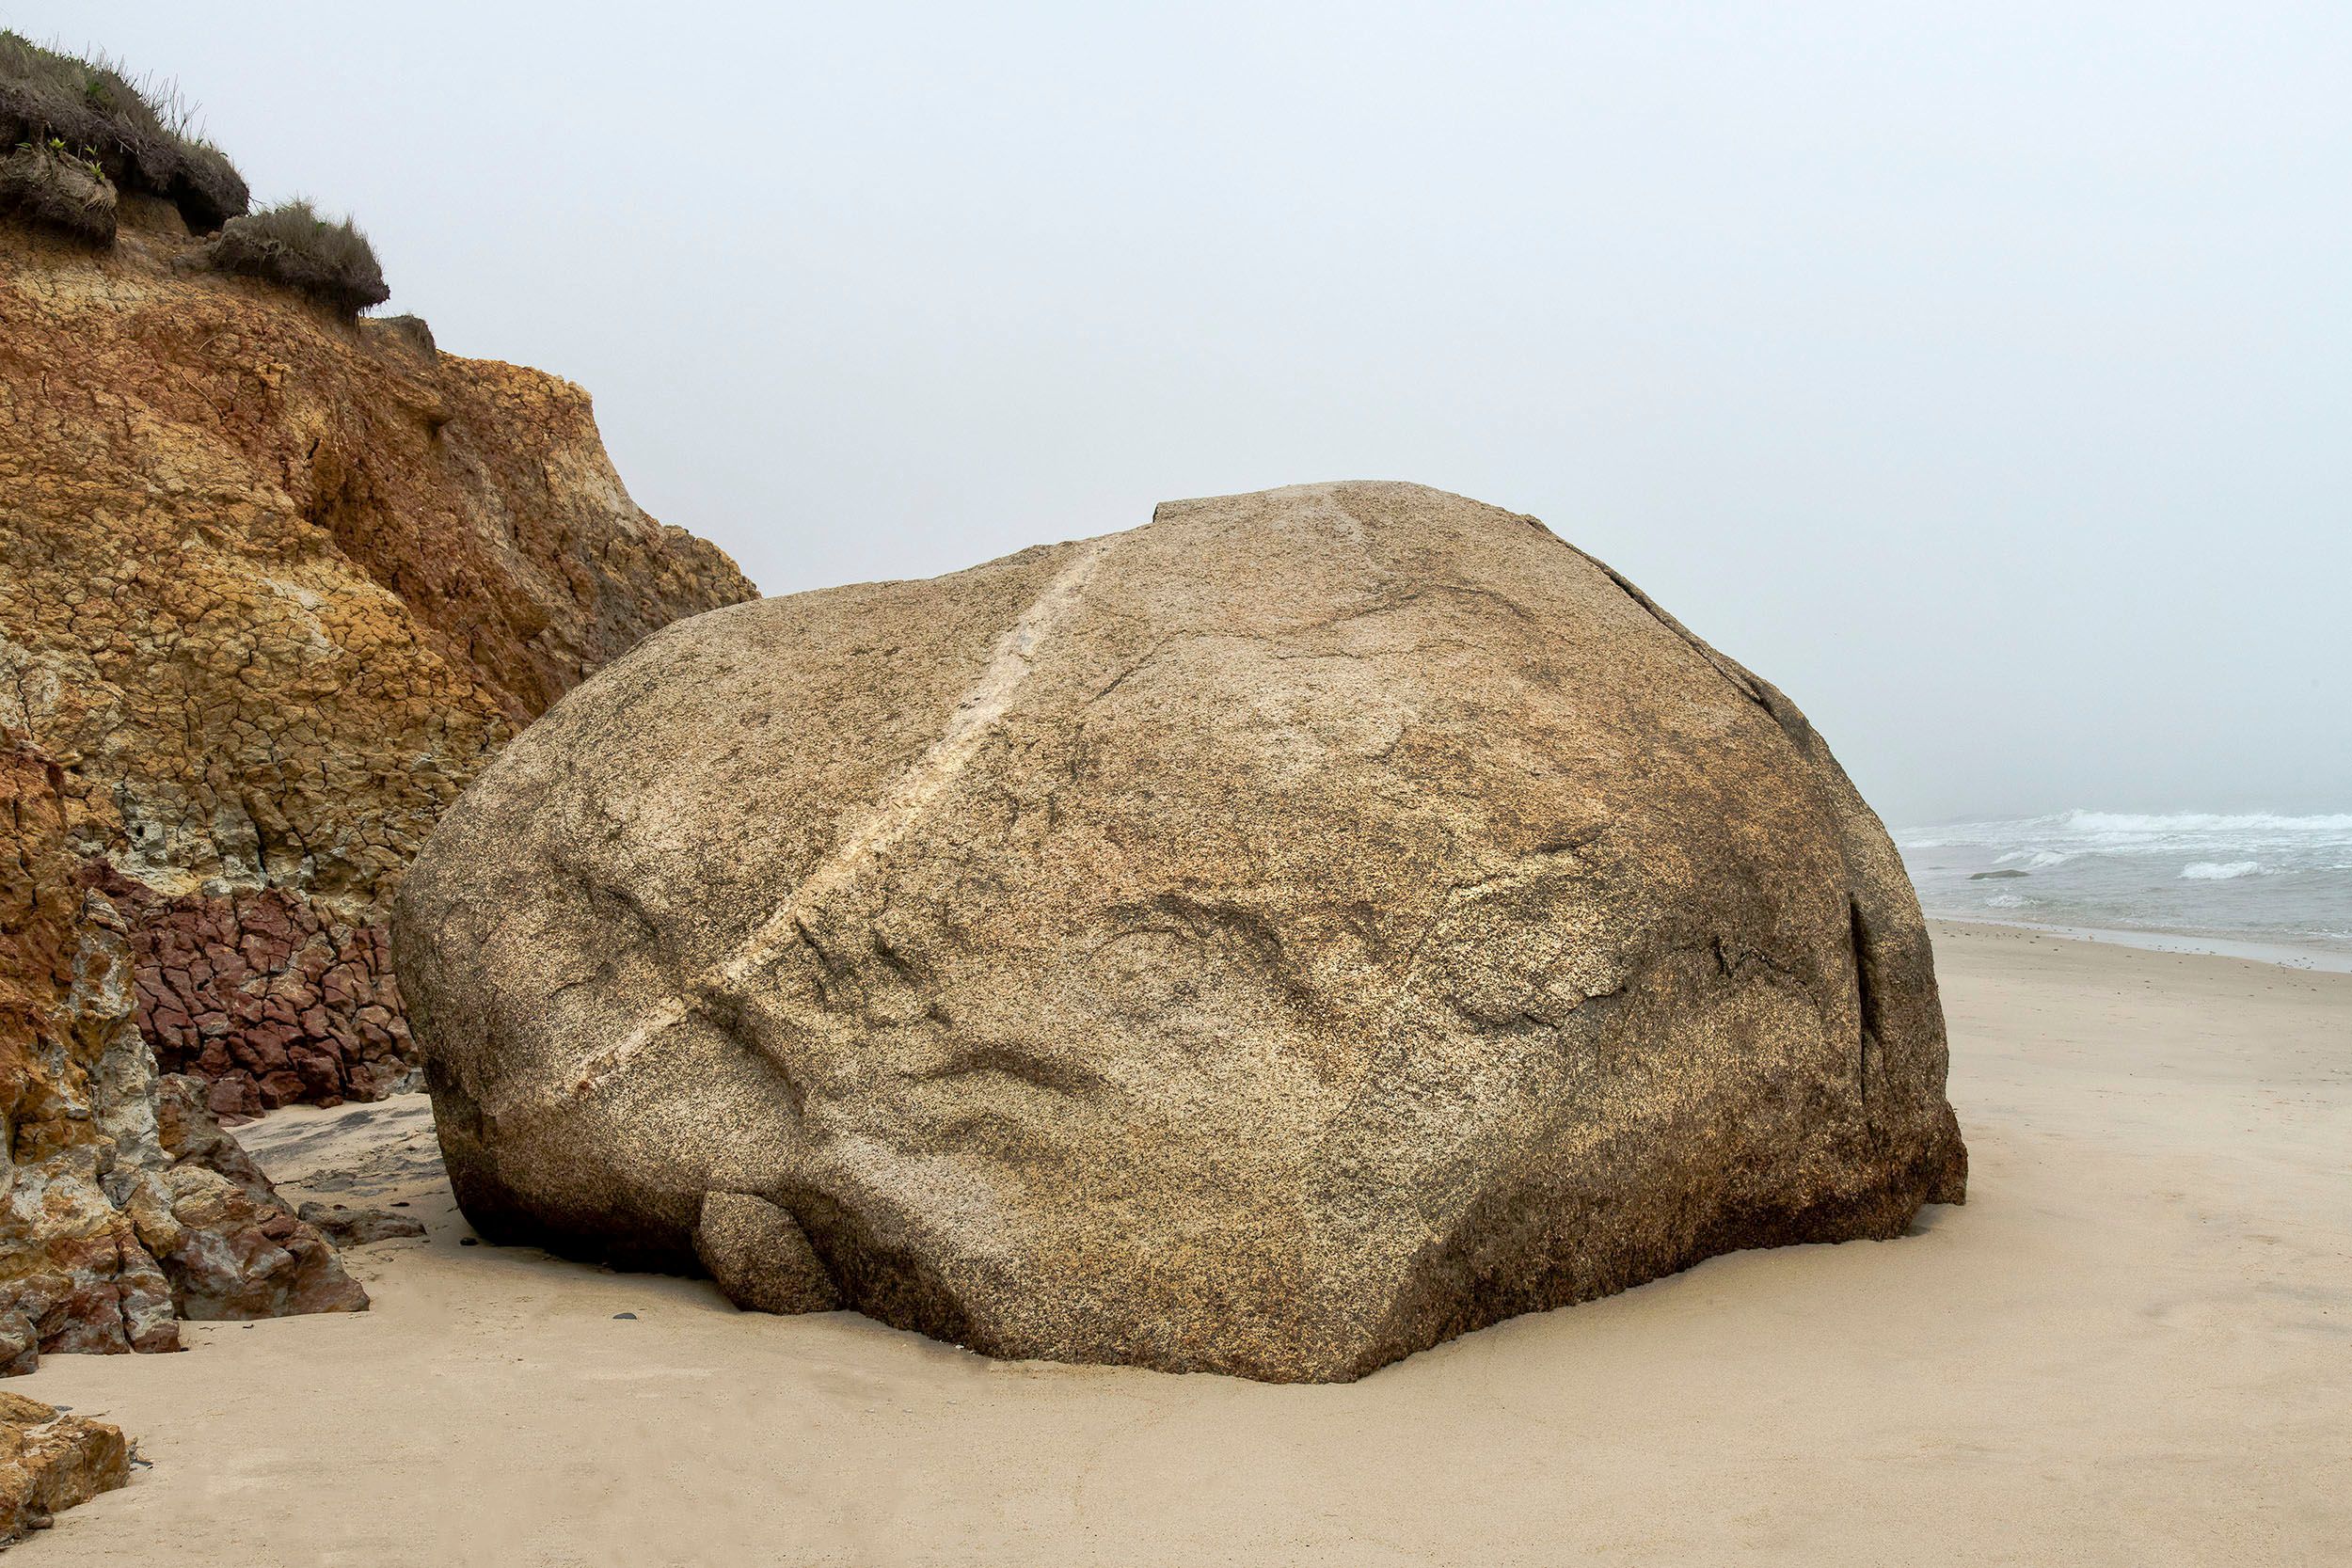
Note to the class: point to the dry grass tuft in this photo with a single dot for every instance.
(290, 243)
(72, 131)
(138, 134)
(42, 183)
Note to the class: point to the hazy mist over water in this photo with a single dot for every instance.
(1979, 374)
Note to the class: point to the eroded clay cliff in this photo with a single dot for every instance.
(274, 585)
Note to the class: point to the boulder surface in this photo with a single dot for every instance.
(1270, 941)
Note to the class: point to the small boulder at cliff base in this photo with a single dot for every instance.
(1270, 941)
(51, 1462)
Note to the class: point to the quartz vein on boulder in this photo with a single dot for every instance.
(915, 793)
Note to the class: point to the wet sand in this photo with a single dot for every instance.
(2132, 1347)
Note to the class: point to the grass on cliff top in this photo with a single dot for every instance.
(44, 183)
(138, 132)
(291, 243)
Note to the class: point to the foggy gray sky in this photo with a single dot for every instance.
(1981, 374)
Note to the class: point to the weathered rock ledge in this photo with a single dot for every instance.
(124, 1208)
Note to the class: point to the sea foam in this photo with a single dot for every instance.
(2273, 877)
(2033, 860)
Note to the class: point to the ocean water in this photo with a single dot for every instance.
(2273, 882)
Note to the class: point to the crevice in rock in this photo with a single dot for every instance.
(1069, 1080)
(1866, 994)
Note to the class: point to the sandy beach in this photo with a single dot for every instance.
(2133, 1346)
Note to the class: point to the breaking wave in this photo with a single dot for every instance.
(2129, 824)
(2274, 876)
(2068, 832)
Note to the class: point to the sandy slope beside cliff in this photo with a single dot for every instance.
(2133, 1346)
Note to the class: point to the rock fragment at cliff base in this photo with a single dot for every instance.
(51, 1462)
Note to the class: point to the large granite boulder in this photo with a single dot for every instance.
(1270, 941)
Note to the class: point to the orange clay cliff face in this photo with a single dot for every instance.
(274, 584)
